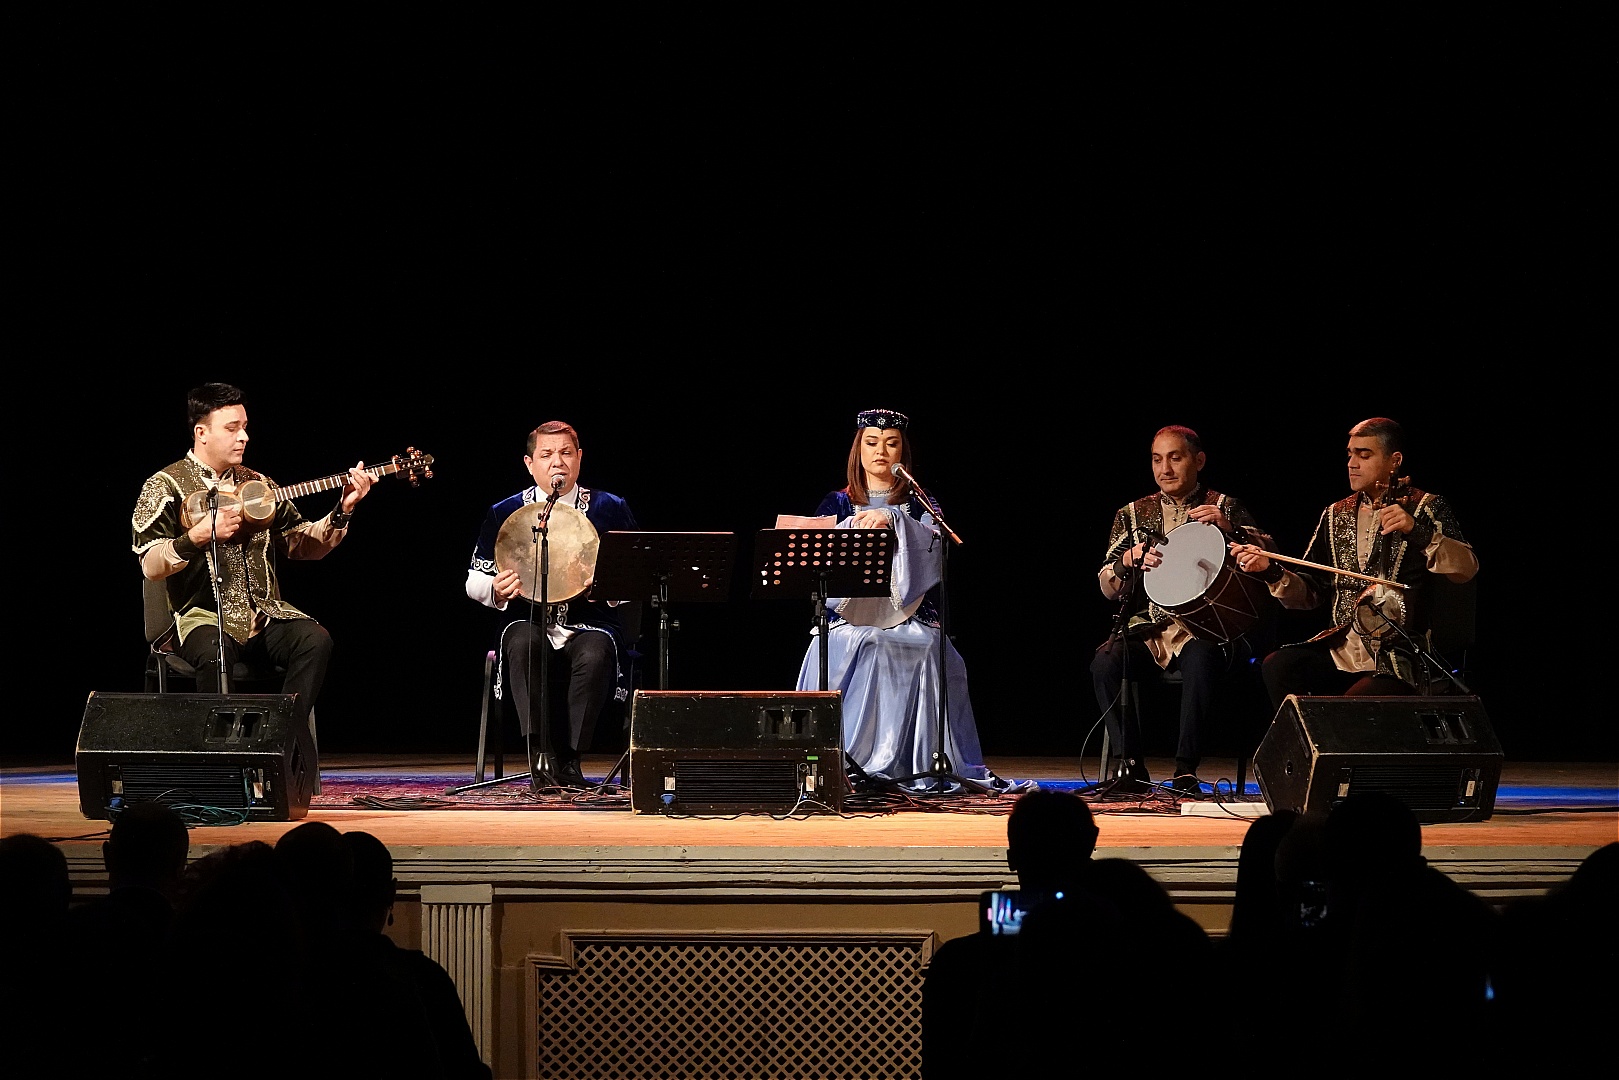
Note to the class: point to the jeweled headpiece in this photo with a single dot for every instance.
(881, 418)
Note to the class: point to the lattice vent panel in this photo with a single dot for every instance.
(752, 1008)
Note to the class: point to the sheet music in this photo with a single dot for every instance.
(793, 521)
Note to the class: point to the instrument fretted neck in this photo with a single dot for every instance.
(257, 500)
(337, 480)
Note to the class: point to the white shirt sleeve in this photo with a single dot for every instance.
(481, 587)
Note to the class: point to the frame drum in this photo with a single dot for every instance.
(1199, 586)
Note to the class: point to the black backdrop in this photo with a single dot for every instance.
(707, 240)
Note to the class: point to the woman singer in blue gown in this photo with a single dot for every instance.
(883, 651)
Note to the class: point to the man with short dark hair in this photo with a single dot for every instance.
(586, 637)
(1385, 529)
(209, 506)
(1147, 634)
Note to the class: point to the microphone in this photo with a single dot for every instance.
(899, 471)
(556, 489)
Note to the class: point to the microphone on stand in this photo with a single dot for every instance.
(904, 474)
(550, 501)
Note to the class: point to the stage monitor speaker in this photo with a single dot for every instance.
(703, 752)
(242, 753)
(1438, 755)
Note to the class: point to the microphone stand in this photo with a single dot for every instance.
(1120, 781)
(539, 765)
(540, 775)
(219, 585)
(941, 772)
(1429, 660)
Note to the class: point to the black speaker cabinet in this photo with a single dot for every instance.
(1438, 755)
(701, 752)
(246, 753)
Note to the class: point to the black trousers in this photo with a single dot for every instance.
(1203, 665)
(302, 646)
(1307, 669)
(587, 664)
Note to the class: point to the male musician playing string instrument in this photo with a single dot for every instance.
(186, 507)
(1385, 530)
(1153, 635)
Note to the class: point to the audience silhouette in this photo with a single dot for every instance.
(1559, 955)
(429, 994)
(240, 968)
(1411, 950)
(259, 961)
(35, 896)
(967, 1010)
(253, 961)
(119, 941)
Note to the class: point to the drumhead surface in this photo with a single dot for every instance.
(1194, 554)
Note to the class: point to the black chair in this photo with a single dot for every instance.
(163, 663)
(1452, 634)
(1155, 693)
(492, 713)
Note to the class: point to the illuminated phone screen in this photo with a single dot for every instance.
(1000, 912)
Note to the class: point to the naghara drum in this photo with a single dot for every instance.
(1198, 583)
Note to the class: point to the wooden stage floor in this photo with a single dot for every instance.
(553, 915)
(1547, 817)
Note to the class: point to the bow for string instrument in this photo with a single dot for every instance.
(257, 500)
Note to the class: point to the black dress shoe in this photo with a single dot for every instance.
(569, 774)
(1186, 786)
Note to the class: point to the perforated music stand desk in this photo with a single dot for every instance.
(665, 567)
(790, 564)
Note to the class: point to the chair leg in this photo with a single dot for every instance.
(483, 718)
(313, 741)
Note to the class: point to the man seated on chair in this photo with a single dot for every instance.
(511, 564)
(1146, 636)
(1386, 529)
(209, 506)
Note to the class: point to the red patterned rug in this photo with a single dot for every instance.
(449, 790)
(445, 791)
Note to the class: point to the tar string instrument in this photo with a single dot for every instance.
(256, 500)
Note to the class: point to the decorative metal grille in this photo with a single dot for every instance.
(749, 1006)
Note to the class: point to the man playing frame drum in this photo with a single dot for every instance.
(1213, 638)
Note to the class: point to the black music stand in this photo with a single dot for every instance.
(665, 567)
(790, 564)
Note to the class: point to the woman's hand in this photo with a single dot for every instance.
(873, 519)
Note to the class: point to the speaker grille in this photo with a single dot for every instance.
(739, 782)
(225, 786)
(1437, 788)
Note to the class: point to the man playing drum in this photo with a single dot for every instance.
(586, 636)
(1202, 624)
